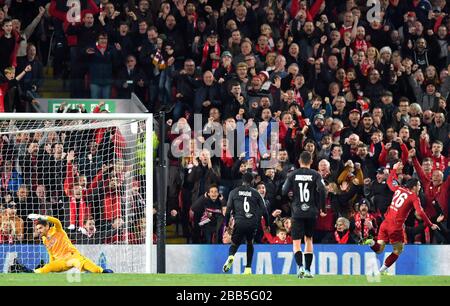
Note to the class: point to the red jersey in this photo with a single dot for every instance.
(276, 240)
(439, 193)
(360, 45)
(439, 163)
(344, 29)
(402, 203)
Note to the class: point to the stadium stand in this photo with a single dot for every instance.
(359, 94)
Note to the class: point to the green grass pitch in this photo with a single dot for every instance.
(213, 279)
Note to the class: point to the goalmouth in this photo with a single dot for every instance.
(92, 171)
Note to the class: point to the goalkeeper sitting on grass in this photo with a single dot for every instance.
(63, 254)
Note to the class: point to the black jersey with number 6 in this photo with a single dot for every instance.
(246, 205)
(309, 192)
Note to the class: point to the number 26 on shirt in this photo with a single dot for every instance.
(398, 200)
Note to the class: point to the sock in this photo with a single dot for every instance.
(375, 247)
(389, 261)
(19, 268)
(308, 260)
(250, 250)
(233, 249)
(92, 267)
(299, 258)
(27, 270)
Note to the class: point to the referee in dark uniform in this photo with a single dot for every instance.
(309, 195)
(247, 207)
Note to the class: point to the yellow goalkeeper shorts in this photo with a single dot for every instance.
(71, 261)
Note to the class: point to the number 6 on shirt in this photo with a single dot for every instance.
(246, 205)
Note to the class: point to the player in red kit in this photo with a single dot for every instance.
(392, 229)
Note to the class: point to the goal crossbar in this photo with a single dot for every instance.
(74, 116)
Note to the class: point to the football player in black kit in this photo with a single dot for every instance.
(247, 207)
(309, 195)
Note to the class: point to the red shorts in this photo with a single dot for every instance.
(392, 233)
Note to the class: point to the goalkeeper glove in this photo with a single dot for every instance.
(36, 217)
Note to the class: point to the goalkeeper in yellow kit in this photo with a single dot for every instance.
(63, 254)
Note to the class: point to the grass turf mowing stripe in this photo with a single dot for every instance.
(214, 279)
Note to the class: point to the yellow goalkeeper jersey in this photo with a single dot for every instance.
(57, 243)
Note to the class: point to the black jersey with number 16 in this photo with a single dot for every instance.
(309, 192)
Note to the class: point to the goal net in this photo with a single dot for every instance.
(91, 171)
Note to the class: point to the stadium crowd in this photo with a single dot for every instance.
(359, 93)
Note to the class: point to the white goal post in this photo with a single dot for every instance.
(93, 171)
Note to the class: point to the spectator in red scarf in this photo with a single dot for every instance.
(363, 223)
(262, 47)
(350, 147)
(342, 234)
(211, 52)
